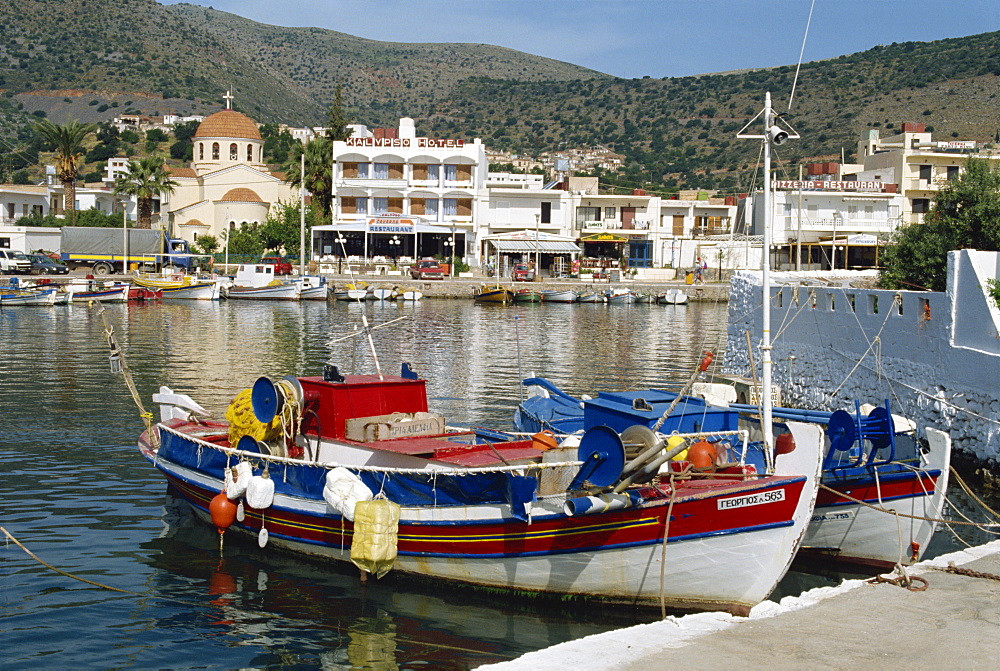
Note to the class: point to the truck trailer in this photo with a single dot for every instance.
(108, 250)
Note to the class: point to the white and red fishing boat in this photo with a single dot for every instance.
(613, 520)
(257, 281)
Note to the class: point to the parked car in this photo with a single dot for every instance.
(43, 265)
(281, 267)
(523, 273)
(428, 269)
(14, 263)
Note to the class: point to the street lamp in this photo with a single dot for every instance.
(450, 244)
(394, 243)
(538, 265)
(340, 240)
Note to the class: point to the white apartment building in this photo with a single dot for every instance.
(914, 161)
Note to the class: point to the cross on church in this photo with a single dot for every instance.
(229, 99)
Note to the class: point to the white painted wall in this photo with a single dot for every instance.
(937, 359)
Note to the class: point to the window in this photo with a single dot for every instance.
(450, 174)
(348, 205)
(434, 173)
(249, 153)
(233, 152)
(380, 205)
(201, 151)
(10, 211)
(363, 169)
(431, 208)
(361, 205)
(952, 172)
(921, 205)
(381, 171)
(546, 216)
(926, 172)
(609, 213)
(215, 151)
(584, 214)
(450, 207)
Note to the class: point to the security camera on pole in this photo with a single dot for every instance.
(774, 135)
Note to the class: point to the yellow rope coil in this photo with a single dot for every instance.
(242, 421)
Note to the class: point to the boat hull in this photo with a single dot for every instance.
(554, 296)
(728, 542)
(28, 298)
(493, 295)
(278, 292)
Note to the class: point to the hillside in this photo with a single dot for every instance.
(94, 59)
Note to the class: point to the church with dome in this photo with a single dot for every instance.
(227, 184)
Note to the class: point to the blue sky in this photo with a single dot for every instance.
(633, 38)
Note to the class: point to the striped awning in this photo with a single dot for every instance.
(545, 246)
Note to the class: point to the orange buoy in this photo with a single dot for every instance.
(702, 455)
(543, 440)
(223, 511)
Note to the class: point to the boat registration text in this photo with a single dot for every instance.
(752, 499)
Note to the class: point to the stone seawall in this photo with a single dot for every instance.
(935, 356)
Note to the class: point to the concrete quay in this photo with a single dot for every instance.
(953, 624)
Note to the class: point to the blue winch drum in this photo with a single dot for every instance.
(266, 400)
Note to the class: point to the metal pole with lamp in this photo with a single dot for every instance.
(124, 237)
(394, 243)
(341, 252)
(302, 215)
(450, 244)
(538, 251)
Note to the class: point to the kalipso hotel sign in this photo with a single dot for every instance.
(404, 143)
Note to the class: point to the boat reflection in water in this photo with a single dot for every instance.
(303, 611)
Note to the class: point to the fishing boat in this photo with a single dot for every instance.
(180, 286)
(410, 294)
(11, 296)
(356, 468)
(492, 293)
(353, 291)
(874, 461)
(590, 297)
(527, 296)
(84, 290)
(559, 296)
(384, 293)
(672, 297)
(620, 297)
(312, 288)
(645, 298)
(256, 281)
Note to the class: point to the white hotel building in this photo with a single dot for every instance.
(399, 196)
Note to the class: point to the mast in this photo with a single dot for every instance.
(765, 324)
(773, 135)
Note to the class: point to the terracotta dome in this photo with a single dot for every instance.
(241, 195)
(193, 222)
(228, 124)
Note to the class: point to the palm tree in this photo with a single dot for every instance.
(146, 179)
(67, 141)
(318, 171)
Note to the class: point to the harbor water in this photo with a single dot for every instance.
(76, 493)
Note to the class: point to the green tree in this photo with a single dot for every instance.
(206, 243)
(281, 229)
(94, 218)
(146, 179)
(318, 178)
(337, 120)
(965, 215)
(245, 241)
(67, 142)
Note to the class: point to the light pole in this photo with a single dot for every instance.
(538, 252)
(450, 244)
(124, 237)
(394, 243)
(340, 240)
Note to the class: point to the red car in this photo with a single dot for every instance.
(427, 270)
(523, 273)
(281, 267)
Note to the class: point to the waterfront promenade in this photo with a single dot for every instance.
(952, 624)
